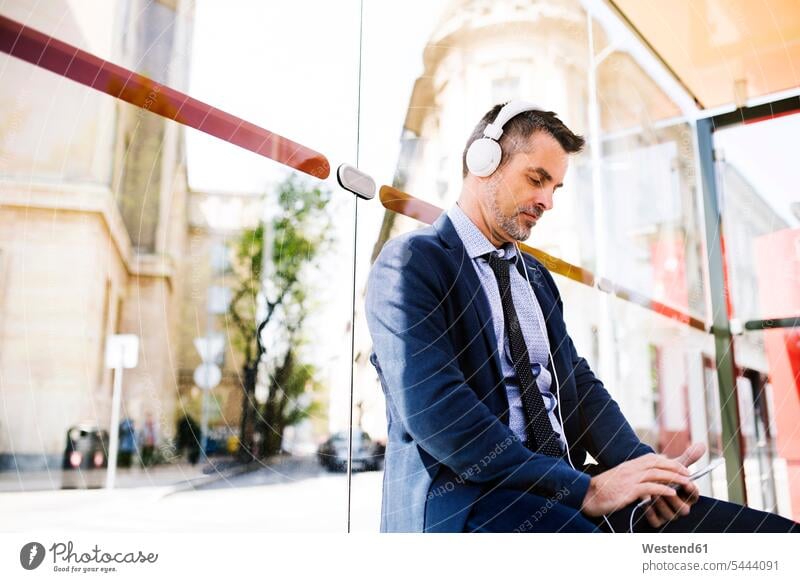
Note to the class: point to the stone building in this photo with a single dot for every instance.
(100, 235)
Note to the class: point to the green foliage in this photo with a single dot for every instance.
(247, 265)
(301, 231)
(292, 398)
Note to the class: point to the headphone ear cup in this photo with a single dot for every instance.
(483, 157)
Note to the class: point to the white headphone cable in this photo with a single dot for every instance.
(638, 505)
(555, 374)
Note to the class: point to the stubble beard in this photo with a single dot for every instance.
(511, 224)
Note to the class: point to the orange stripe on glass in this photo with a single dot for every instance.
(405, 204)
(63, 59)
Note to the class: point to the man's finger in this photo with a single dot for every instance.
(690, 493)
(692, 453)
(652, 518)
(664, 510)
(678, 505)
(662, 462)
(653, 490)
(664, 476)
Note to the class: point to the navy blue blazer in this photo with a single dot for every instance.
(435, 352)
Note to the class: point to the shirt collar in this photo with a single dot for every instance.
(475, 242)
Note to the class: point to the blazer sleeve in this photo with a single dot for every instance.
(605, 432)
(438, 409)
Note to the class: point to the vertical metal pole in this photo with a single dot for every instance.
(204, 421)
(353, 282)
(732, 443)
(113, 446)
(207, 366)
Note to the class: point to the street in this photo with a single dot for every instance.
(293, 495)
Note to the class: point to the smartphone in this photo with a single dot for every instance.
(701, 472)
(707, 469)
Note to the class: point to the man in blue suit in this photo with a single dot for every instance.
(491, 412)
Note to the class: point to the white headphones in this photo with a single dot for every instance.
(484, 154)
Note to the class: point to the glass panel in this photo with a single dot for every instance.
(472, 55)
(761, 215)
(761, 227)
(652, 212)
(652, 337)
(395, 37)
(660, 385)
(651, 241)
(114, 220)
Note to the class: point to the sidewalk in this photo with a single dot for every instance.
(178, 474)
(316, 504)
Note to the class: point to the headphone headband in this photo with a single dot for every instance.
(509, 110)
(484, 154)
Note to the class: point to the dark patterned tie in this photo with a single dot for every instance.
(541, 436)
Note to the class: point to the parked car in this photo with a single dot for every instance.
(85, 457)
(367, 454)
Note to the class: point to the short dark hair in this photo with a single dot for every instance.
(523, 126)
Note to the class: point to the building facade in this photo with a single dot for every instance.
(100, 235)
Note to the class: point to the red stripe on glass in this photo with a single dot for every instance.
(63, 59)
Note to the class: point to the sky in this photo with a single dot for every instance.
(767, 167)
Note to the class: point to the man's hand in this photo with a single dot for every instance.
(645, 476)
(664, 509)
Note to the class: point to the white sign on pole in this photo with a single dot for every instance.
(210, 347)
(207, 376)
(122, 351)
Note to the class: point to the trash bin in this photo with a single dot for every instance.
(85, 457)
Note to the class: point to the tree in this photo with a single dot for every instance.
(285, 404)
(301, 232)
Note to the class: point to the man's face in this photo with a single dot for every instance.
(517, 194)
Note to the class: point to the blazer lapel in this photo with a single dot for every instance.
(469, 281)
